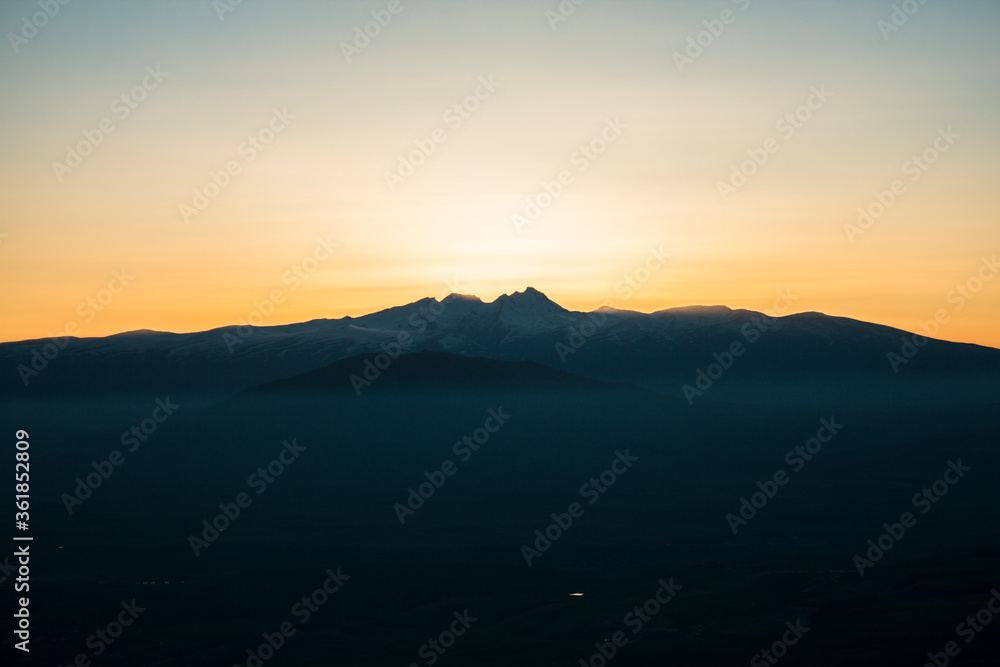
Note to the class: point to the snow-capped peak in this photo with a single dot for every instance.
(529, 308)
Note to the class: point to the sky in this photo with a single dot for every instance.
(178, 166)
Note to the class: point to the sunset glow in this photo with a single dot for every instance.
(244, 146)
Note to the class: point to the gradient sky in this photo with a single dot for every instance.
(656, 186)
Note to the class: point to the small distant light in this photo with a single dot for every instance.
(576, 595)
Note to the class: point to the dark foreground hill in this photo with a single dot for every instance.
(427, 486)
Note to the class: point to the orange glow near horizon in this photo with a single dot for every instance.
(320, 180)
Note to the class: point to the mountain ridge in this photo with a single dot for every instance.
(528, 301)
(799, 357)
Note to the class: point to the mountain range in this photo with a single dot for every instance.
(790, 360)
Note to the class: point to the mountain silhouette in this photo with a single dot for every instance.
(792, 360)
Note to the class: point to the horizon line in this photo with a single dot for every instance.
(528, 289)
